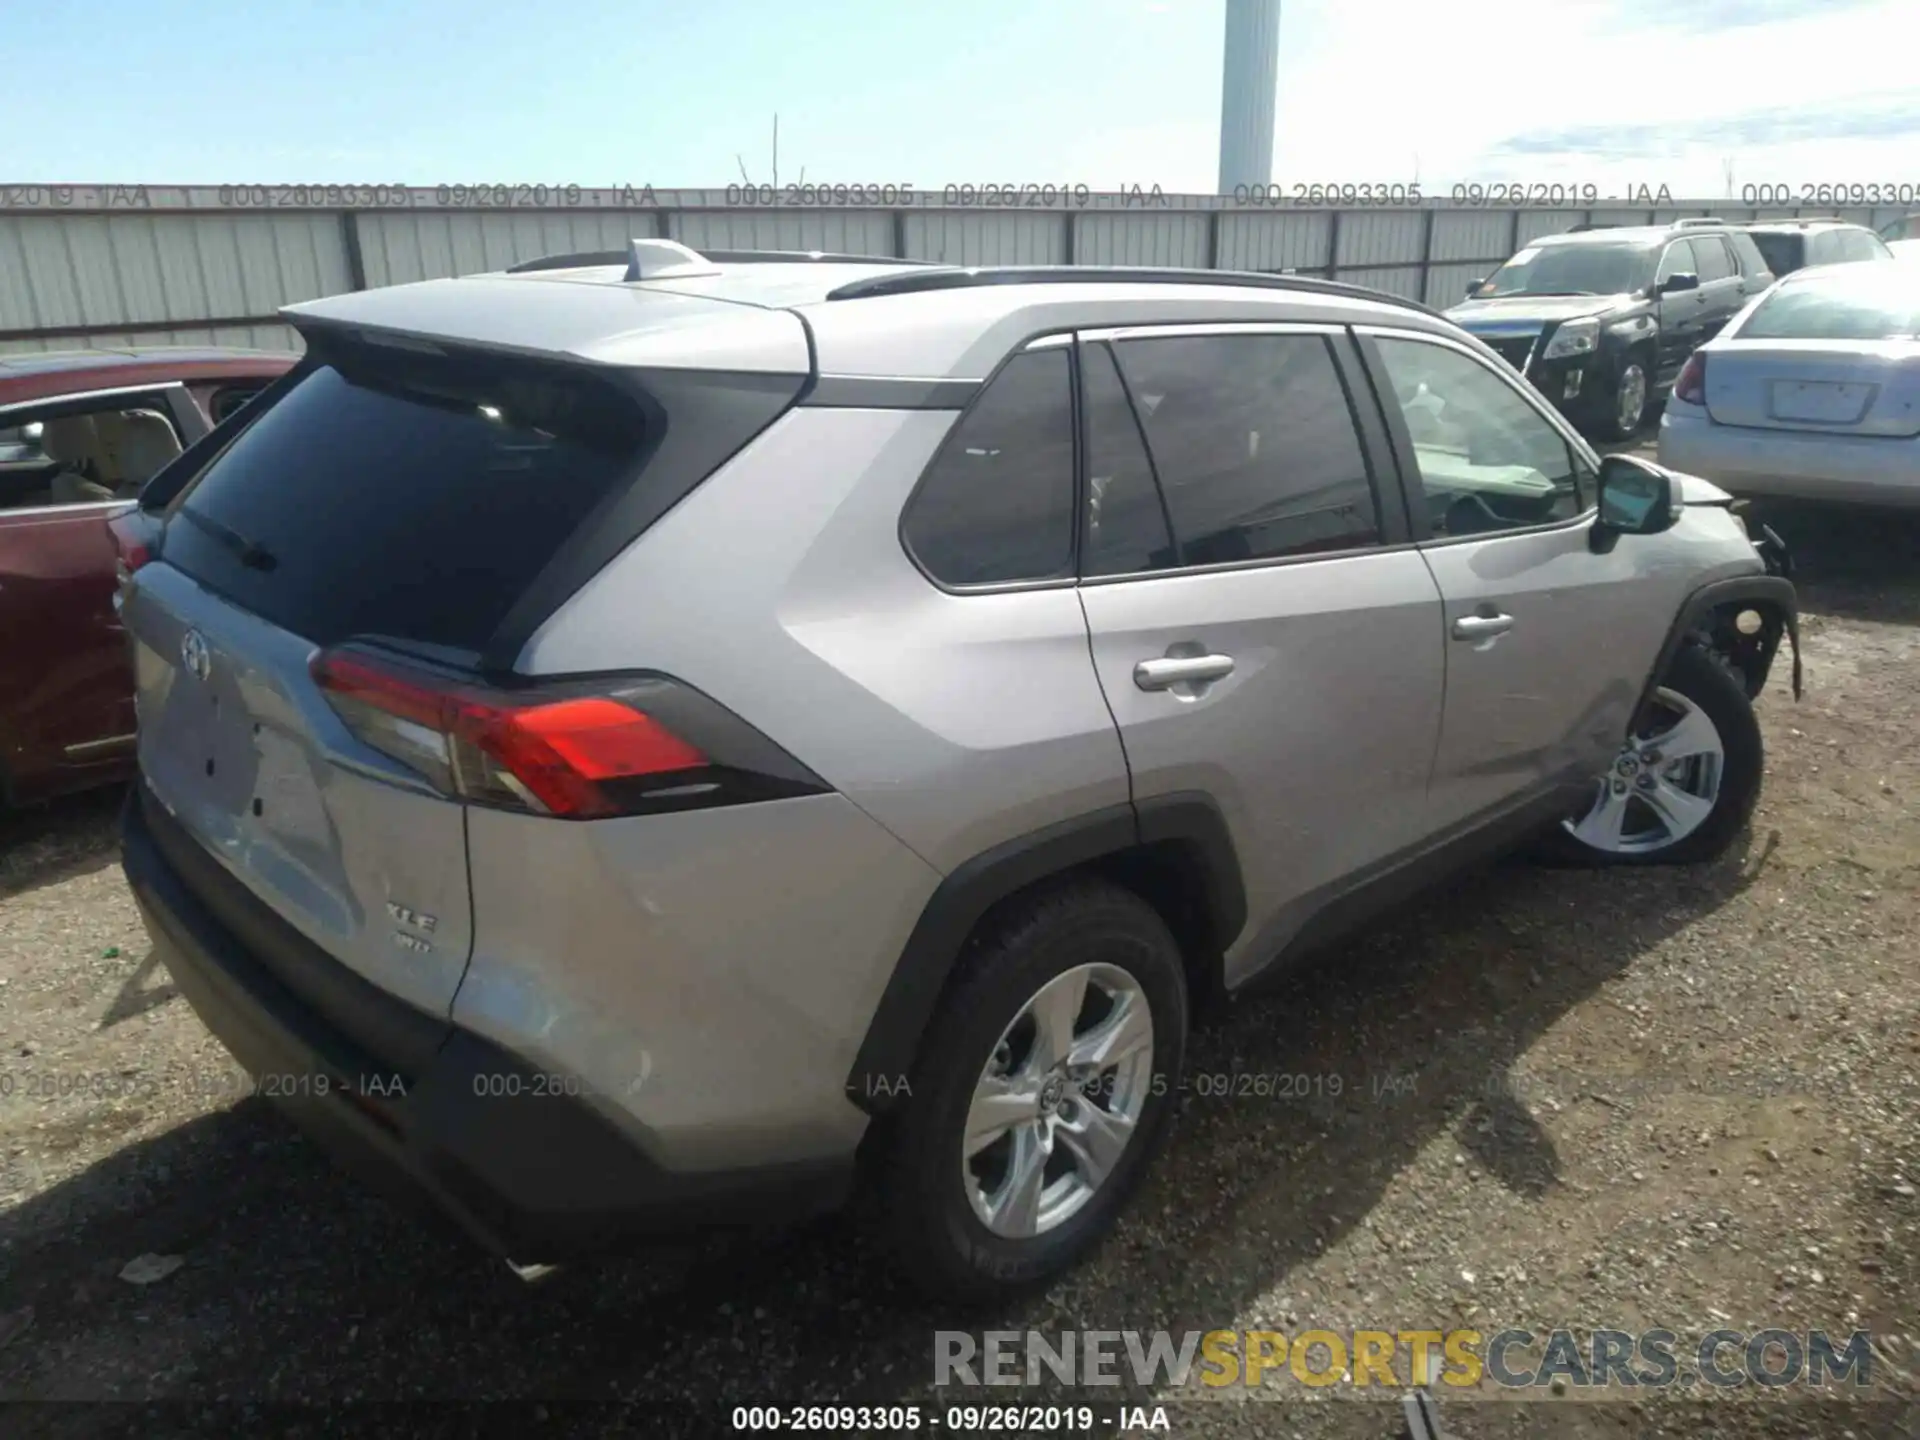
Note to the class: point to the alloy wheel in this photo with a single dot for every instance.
(1661, 787)
(1058, 1101)
(1630, 400)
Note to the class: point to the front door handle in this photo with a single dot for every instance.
(1481, 627)
(1165, 673)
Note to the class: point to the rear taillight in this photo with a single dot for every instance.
(632, 746)
(133, 536)
(1692, 384)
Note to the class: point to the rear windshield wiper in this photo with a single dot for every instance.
(251, 553)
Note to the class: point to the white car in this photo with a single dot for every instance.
(1812, 391)
(1904, 249)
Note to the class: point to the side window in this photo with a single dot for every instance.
(1126, 520)
(1677, 258)
(70, 454)
(1254, 443)
(1488, 460)
(1823, 248)
(229, 398)
(1711, 257)
(996, 504)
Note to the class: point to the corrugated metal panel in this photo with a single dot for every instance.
(1472, 234)
(1297, 241)
(1618, 217)
(1447, 284)
(847, 232)
(1535, 223)
(117, 269)
(251, 337)
(1380, 237)
(1104, 239)
(1394, 279)
(398, 248)
(996, 238)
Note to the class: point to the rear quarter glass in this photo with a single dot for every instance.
(408, 495)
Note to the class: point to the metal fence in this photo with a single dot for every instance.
(105, 266)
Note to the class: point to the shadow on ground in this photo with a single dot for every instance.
(301, 1287)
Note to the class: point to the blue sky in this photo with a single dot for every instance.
(929, 92)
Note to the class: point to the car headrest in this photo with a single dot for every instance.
(71, 440)
(134, 444)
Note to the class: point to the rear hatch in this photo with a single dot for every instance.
(407, 499)
(1835, 353)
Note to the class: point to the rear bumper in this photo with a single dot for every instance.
(1787, 463)
(519, 1160)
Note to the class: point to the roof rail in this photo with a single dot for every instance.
(1587, 225)
(1691, 222)
(919, 281)
(718, 257)
(1804, 220)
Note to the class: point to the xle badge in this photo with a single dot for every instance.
(402, 915)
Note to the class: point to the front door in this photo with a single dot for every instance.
(1258, 634)
(1547, 642)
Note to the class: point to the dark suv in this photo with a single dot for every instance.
(1789, 245)
(1601, 318)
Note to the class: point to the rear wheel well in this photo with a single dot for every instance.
(1169, 875)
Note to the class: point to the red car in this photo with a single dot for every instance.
(80, 433)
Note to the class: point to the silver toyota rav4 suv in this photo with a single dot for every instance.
(649, 739)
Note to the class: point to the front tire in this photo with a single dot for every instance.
(1681, 790)
(1041, 1095)
(1627, 404)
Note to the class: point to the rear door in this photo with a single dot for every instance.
(1547, 642)
(406, 498)
(1682, 312)
(1720, 284)
(1262, 631)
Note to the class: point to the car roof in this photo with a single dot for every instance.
(42, 362)
(1795, 227)
(55, 374)
(1615, 235)
(831, 317)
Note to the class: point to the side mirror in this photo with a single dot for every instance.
(1474, 285)
(1635, 499)
(1679, 281)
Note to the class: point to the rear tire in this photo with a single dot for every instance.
(1700, 790)
(1019, 1210)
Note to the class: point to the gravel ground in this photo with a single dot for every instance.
(1680, 1098)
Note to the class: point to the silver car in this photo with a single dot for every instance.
(1813, 391)
(629, 745)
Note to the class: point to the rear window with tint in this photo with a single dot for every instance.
(402, 495)
(1783, 253)
(1843, 308)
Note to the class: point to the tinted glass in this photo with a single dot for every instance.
(1254, 444)
(1783, 253)
(1710, 254)
(1579, 269)
(1126, 522)
(403, 495)
(996, 505)
(1847, 305)
(1488, 460)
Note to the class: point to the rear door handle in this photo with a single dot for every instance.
(1481, 627)
(1163, 674)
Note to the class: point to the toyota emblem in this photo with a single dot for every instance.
(195, 655)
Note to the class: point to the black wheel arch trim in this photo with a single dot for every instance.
(1191, 820)
(1694, 622)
